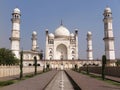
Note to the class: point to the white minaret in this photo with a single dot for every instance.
(108, 34)
(34, 41)
(15, 37)
(76, 36)
(89, 46)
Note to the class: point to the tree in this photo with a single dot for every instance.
(76, 67)
(48, 67)
(118, 63)
(103, 66)
(41, 55)
(21, 64)
(35, 61)
(87, 69)
(7, 57)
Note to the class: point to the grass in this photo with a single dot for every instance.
(9, 82)
(112, 82)
(99, 78)
(5, 83)
(29, 76)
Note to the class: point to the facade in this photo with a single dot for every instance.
(61, 45)
(108, 34)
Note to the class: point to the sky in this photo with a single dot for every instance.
(39, 15)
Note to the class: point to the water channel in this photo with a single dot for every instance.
(60, 82)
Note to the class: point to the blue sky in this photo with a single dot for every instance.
(37, 15)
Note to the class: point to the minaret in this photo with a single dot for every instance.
(34, 41)
(76, 37)
(15, 37)
(89, 46)
(108, 34)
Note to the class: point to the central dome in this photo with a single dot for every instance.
(62, 31)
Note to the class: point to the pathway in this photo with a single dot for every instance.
(59, 80)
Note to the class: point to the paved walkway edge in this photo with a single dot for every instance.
(76, 85)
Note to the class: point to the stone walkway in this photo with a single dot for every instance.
(87, 83)
(38, 82)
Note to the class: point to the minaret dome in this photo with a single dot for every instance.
(107, 9)
(51, 35)
(16, 10)
(34, 33)
(89, 33)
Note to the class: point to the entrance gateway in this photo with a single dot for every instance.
(61, 52)
(62, 67)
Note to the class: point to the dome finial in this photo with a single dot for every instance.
(107, 6)
(16, 6)
(61, 22)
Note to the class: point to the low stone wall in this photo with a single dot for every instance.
(6, 71)
(110, 71)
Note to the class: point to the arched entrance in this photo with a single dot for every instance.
(61, 52)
